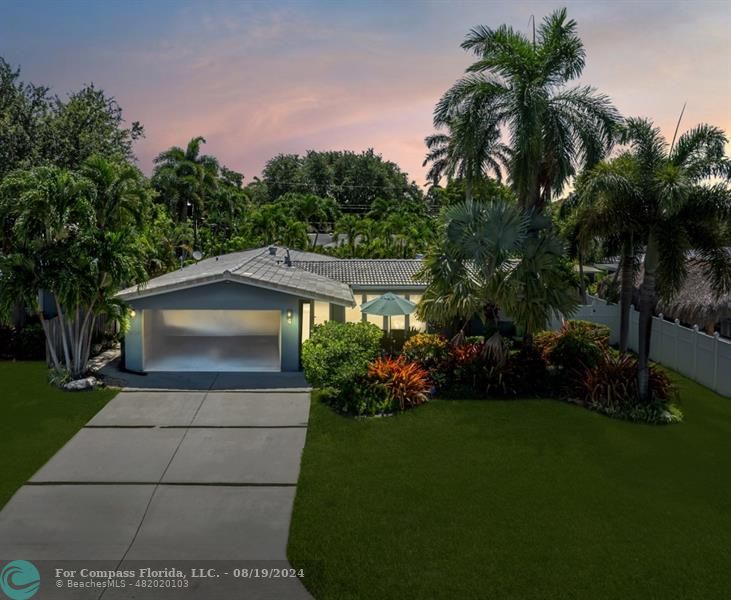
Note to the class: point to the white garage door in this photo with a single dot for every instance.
(212, 340)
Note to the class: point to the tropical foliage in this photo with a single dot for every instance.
(521, 84)
(337, 355)
(485, 261)
(59, 228)
(663, 204)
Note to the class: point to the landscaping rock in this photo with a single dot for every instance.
(88, 383)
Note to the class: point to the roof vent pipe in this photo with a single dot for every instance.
(287, 259)
(419, 257)
(272, 250)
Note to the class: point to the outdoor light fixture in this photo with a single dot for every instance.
(133, 313)
(289, 317)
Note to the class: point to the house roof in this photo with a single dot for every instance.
(252, 267)
(374, 273)
(696, 303)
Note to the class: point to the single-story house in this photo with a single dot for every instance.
(251, 310)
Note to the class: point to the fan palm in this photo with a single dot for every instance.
(521, 85)
(484, 258)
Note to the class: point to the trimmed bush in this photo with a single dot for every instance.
(577, 346)
(337, 355)
(611, 387)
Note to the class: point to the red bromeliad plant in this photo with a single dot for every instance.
(406, 383)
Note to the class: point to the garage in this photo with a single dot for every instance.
(212, 340)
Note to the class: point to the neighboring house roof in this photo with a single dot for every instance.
(695, 303)
(374, 273)
(252, 267)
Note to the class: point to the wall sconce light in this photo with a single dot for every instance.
(132, 313)
(289, 317)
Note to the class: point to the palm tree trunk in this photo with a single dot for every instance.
(647, 306)
(49, 343)
(64, 336)
(582, 283)
(625, 299)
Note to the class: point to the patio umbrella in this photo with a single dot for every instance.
(388, 305)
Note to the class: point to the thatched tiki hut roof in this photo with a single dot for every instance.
(696, 303)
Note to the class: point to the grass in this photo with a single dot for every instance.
(36, 419)
(526, 499)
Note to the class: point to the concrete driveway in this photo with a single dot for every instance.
(162, 479)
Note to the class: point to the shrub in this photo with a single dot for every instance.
(527, 372)
(578, 345)
(404, 384)
(469, 371)
(393, 341)
(611, 387)
(426, 348)
(574, 351)
(337, 355)
(594, 331)
(30, 343)
(26, 343)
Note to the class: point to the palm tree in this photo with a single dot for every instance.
(185, 177)
(469, 151)
(121, 193)
(316, 212)
(608, 208)
(59, 245)
(672, 195)
(348, 226)
(484, 259)
(520, 84)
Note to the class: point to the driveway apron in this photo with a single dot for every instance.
(170, 479)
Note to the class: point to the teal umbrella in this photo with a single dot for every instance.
(388, 305)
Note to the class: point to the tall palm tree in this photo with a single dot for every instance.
(521, 84)
(470, 150)
(185, 177)
(675, 196)
(608, 208)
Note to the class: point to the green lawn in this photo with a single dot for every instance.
(36, 419)
(527, 499)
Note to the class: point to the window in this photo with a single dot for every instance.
(414, 322)
(322, 312)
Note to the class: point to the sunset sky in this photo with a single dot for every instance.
(259, 78)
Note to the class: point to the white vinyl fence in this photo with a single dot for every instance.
(697, 355)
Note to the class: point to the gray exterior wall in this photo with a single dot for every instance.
(218, 296)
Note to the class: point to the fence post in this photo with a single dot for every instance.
(676, 366)
(716, 342)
